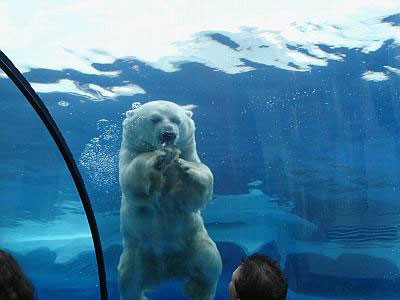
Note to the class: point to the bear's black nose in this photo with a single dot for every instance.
(167, 136)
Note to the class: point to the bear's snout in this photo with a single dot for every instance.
(167, 137)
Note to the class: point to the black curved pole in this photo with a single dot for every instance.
(23, 85)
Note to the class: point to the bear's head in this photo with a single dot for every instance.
(156, 124)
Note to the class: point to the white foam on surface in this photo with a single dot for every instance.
(164, 35)
(91, 91)
(101, 92)
(374, 76)
(393, 70)
(127, 90)
(62, 86)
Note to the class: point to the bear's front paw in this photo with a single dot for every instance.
(182, 165)
(189, 173)
(166, 156)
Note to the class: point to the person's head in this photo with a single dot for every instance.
(258, 278)
(14, 285)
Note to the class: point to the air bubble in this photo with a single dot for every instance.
(100, 155)
(136, 105)
(63, 103)
(102, 124)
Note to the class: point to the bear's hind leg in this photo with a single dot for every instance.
(205, 267)
(199, 291)
(130, 273)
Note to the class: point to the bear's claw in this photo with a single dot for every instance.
(168, 155)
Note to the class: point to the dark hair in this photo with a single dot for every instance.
(260, 278)
(14, 285)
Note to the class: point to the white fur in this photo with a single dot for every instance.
(163, 190)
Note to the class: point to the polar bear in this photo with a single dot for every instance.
(164, 186)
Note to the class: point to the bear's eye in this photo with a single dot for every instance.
(155, 118)
(176, 120)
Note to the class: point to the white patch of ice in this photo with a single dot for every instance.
(61, 86)
(393, 70)
(103, 31)
(92, 91)
(127, 90)
(101, 92)
(374, 76)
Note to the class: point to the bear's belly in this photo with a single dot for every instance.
(159, 231)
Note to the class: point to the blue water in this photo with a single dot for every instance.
(306, 167)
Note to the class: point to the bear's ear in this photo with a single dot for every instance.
(188, 109)
(130, 113)
(189, 113)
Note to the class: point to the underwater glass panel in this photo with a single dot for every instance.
(297, 116)
(42, 221)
